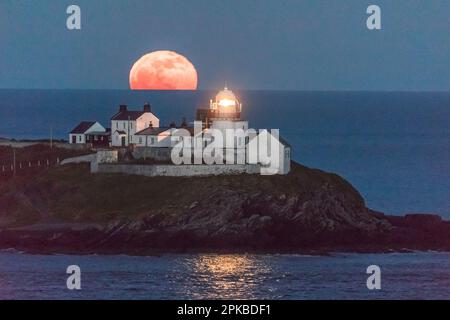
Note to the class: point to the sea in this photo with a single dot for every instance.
(424, 275)
(394, 147)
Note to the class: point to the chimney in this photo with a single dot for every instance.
(147, 107)
(122, 108)
(172, 124)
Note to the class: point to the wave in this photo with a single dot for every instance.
(12, 250)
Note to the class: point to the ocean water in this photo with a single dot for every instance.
(209, 276)
(394, 147)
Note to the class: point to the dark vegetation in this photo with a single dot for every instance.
(306, 210)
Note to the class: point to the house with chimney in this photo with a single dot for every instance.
(99, 139)
(159, 137)
(126, 123)
(86, 130)
(137, 135)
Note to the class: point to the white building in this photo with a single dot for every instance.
(280, 146)
(224, 113)
(78, 134)
(126, 123)
(154, 137)
(249, 148)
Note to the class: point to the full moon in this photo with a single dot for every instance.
(163, 70)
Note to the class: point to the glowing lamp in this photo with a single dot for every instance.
(227, 103)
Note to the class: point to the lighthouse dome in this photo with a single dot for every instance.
(225, 94)
(226, 102)
(226, 98)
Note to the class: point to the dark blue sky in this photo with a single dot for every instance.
(249, 44)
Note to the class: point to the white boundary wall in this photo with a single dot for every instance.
(178, 171)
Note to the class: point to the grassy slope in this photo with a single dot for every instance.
(37, 152)
(71, 193)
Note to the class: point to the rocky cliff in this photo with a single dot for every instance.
(67, 209)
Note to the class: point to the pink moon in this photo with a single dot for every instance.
(163, 70)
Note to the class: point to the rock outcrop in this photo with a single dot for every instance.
(67, 209)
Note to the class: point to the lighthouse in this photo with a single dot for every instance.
(225, 115)
(226, 105)
(224, 112)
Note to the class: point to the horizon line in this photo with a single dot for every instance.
(237, 89)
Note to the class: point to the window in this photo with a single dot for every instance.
(140, 140)
(287, 153)
(131, 125)
(79, 138)
(152, 140)
(96, 138)
(123, 123)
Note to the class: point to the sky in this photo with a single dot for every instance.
(248, 44)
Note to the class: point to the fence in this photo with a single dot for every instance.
(18, 167)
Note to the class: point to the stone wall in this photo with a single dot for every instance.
(101, 156)
(86, 158)
(179, 171)
(107, 156)
(104, 156)
(158, 154)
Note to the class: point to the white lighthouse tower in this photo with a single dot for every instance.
(224, 113)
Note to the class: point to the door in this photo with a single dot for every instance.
(74, 139)
(123, 141)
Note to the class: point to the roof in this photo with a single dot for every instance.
(226, 94)
(190, 129)
(282, 140)
(150, 131)
(83, 126)
(127, 115)
(120, 132)
(156, 131)
(205, 115)
(99, 133)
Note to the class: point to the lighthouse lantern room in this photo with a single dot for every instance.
(226, 104)
(224, 112)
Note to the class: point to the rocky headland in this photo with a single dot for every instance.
(66, 209)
